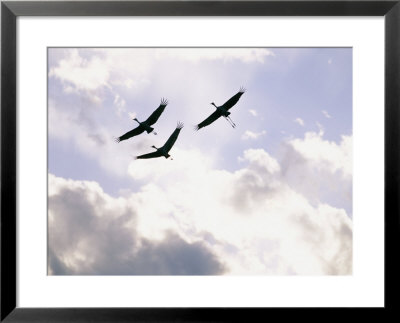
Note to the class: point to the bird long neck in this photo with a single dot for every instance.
(154, 147)
(137, 120)
(214, 104)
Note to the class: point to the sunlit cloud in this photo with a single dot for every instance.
(107, 68)
(336, 157)
(253, 135)
(191, 201)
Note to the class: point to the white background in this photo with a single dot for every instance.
(364, 288)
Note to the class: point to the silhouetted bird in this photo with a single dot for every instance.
(163, 151)
(222, 111)
(145, 125)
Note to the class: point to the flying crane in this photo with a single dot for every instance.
(222, 111)
(164, 150)
(145, 125)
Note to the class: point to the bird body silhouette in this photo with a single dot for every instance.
(164, 150)
(145, 125)
(222, 111)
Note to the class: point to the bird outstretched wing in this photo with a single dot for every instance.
(149, 155)
(134, 132)
(171, 140)
(233, 100)
(209, 120)
(156, 114)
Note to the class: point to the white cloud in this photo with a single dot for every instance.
(83, 74)
(326, 114)
(93, 72)
(299, 121)
(253, 135)
(261, 159)
(319, 169)
(130, 68)
(253, 112)
(335, 157)
(245, 222)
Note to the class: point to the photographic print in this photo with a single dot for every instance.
(200, 161)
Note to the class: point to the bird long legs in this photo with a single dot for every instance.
(228, 118)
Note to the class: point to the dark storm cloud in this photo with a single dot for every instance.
(85, 239)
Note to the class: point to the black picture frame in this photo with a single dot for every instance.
(10, 10)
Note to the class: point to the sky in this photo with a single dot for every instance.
(272, 196)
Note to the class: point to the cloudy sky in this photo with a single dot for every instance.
(272, 196)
